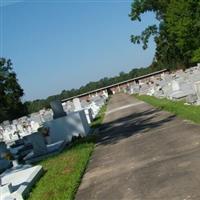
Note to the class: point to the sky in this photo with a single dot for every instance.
(61, 44)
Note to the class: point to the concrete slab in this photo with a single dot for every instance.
(21, 178)
(143, 154)
(52, 149)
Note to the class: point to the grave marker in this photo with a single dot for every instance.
(77, 104)
(57, 108)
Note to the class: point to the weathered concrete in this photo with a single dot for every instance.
(143, 154)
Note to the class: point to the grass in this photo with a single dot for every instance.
(63, 172)
(190, 112)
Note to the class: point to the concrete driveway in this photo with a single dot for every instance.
(143, 154)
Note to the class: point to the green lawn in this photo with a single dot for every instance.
(190, 112)
(63, 172)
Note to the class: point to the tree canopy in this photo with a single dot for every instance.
(177, 36)
(11, 106)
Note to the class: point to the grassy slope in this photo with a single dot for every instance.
(64, 171)
(189, 112)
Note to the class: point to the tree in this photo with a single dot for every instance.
(196, 55)
(177, 36)
(10, 92)
(182, 25)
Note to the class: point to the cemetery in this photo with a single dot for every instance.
(42, 137)
(177, 85)
(100, 100)
(47, 135)
(29, 145)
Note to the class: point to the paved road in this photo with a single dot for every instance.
(143, 154)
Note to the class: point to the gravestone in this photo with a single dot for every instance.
(144, 88)
(151, 92)
(36, 118)
(99, 102)
(69, 107)
(64, 128)
(34, 126)
(136, 88)
(57, 108)
(1, 133)
(3, 149)
(6, 123)
(95, 109)
(20, 127)
(17, 182)
(77, 104)
(88, 113)
(4, 164)
(5, 191)
(105, 93)
(175, 85)
(47, 116)
(197, 90)
(191, 98)
(81, 124)
(38, 142)
(84, 104)
(15, 122)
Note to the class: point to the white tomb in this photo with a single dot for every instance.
(175, 85)
(77, 104)
(64, 128)
(17, 182)
(197, 89)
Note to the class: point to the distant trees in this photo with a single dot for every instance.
(177, 36)
(36, 105)
(10, 92)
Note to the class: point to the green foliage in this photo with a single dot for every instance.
(36, 105)
(177, 35)
(10, 93)
(196, 56)
(182, 24)
(145, 35)
(189, 112)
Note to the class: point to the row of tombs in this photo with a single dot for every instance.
(17, 157)
(26, 125)
(177, 85)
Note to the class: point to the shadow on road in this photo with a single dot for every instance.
(139, 122)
